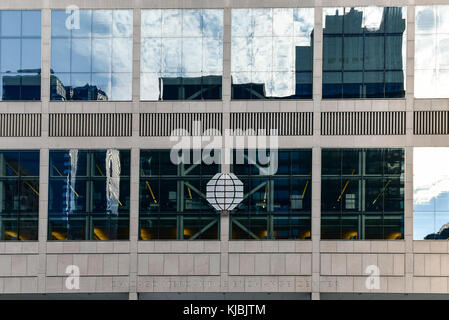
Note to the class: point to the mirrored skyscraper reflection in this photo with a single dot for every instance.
(364, 52)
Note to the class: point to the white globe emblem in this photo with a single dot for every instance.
(224, 191)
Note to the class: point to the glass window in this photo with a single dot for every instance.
(272, 53)
(94, 61)
(362, 194)
(364, 52)
(19, 195)
(20, 55)
(88, 195)
(181, 54)
(276, 205)
(430, 194)
(431, 51)
(173, 201)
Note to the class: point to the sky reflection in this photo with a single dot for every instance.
(97, 56)
(431, 51)
(179, 44)
(430, 190)
(265, 43)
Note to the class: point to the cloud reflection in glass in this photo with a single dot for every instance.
(431, 51)
(272, 53)
(181, 54)
(430, 193)
(93, 62)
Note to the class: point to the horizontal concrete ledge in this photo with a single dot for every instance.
(363, 246)
(66, 296)
(225, 296)
(382, 296)
(281, 246)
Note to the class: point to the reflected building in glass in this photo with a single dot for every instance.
(20, 54)
(89, 194)
(364, 52)
(272, 53)
(92, 60)
(181, 54)
(348, 105)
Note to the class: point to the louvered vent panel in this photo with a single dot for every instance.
(180, 124)
(286, 123)
(90, 125)
(20, 125)
(431, 122)
(363, 123)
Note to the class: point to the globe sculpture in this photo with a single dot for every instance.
(224, 191)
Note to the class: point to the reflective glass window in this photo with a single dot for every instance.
(277, 196)
(88, 197)
(272, 53)
(364, 52)
(20, 54)
(19, 195)
(91, 55)
(181, 54)
(430, 194)
(362, 194)
(172, 196)
(431, 51)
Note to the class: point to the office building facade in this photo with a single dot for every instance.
(350, 101)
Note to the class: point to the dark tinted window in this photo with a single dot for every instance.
(277, 203)
(362, 194)
(89, 195)
(172, 196)
(19, 195)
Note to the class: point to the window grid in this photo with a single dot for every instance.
(272, 221)
(119, 83)
(342, 90)
(272, 87)
(360, 204)
(158, 83)
(186, 215)
(21, 91)
(19, 223)
(84, 215)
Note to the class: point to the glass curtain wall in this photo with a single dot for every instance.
(91, 55)
(362, 194)
(364, 52)
(173, 201)
(88, 195)
(272, 53)
(181, 54)
(430, 194)
(19, 195)
(276, 205)
(431, 51)
(20, 54)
